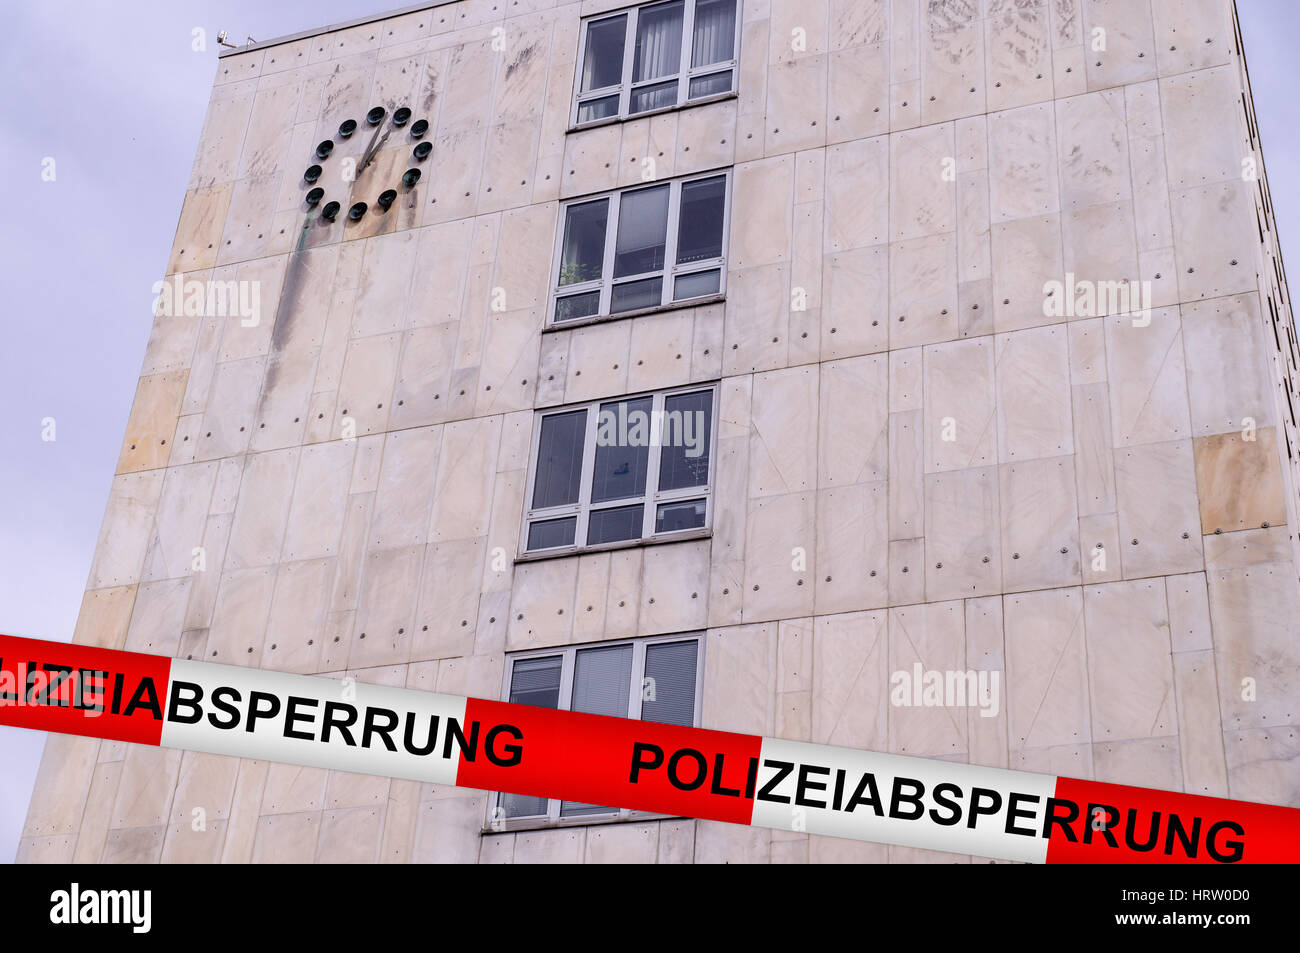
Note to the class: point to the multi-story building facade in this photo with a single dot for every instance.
(963, 337)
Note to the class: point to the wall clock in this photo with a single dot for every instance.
(380, 132)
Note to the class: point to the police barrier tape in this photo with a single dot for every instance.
(646, 766)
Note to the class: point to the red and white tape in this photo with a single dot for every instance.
(667, 769)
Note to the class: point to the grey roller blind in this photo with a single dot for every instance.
(602, 680)
(670, 671)
(536, 681)
(533, 681)
(559, 459)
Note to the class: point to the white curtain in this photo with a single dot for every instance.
(715, 32)
(658, 42)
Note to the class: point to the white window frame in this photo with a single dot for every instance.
(498, 822)
(685, 72)
(671, 270)
(651, 499)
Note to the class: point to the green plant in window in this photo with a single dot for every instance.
(572, 274)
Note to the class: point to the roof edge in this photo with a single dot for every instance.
(318, 31)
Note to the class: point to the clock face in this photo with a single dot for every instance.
(377, 128)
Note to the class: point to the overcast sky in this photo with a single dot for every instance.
(115, 94)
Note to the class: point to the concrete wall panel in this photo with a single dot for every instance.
(1129, 664)
(1018, 53)
(1029, 254)
(960, 405)
(962, 544)
(932, 635)
(1239, 481)
(1214, 227)
(852, 547)
(1129, 56)
(1033, 399)
(1022, 163)
(1164, 525)
(1048, 703)
(1186, 100)
(1040, 524)
(1148, 379)
(1227, 385)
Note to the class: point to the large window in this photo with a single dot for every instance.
(643, 247)
(618, 471)
(655, 679)
(655, 56)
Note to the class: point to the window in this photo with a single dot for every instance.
(655, 56)
(655, 679)
(618, 471)
(643, 247)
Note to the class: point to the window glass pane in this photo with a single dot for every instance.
(700, 283)
(582, 253)
(699, 232)
(672, 517)
(536, 681)
(603, 65)
(622, 450)
(603, 108)
(547, 534)
(715, 32)
(522, 805)
(642, 231)
(573, 307)
(686, 432)
(577, 809)
(614, 525)
(670, 681)
(637, 294)
(533, 681)
(658, 41)
(559, 459)
(712, 85)
(602, 682)
(658, 96)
